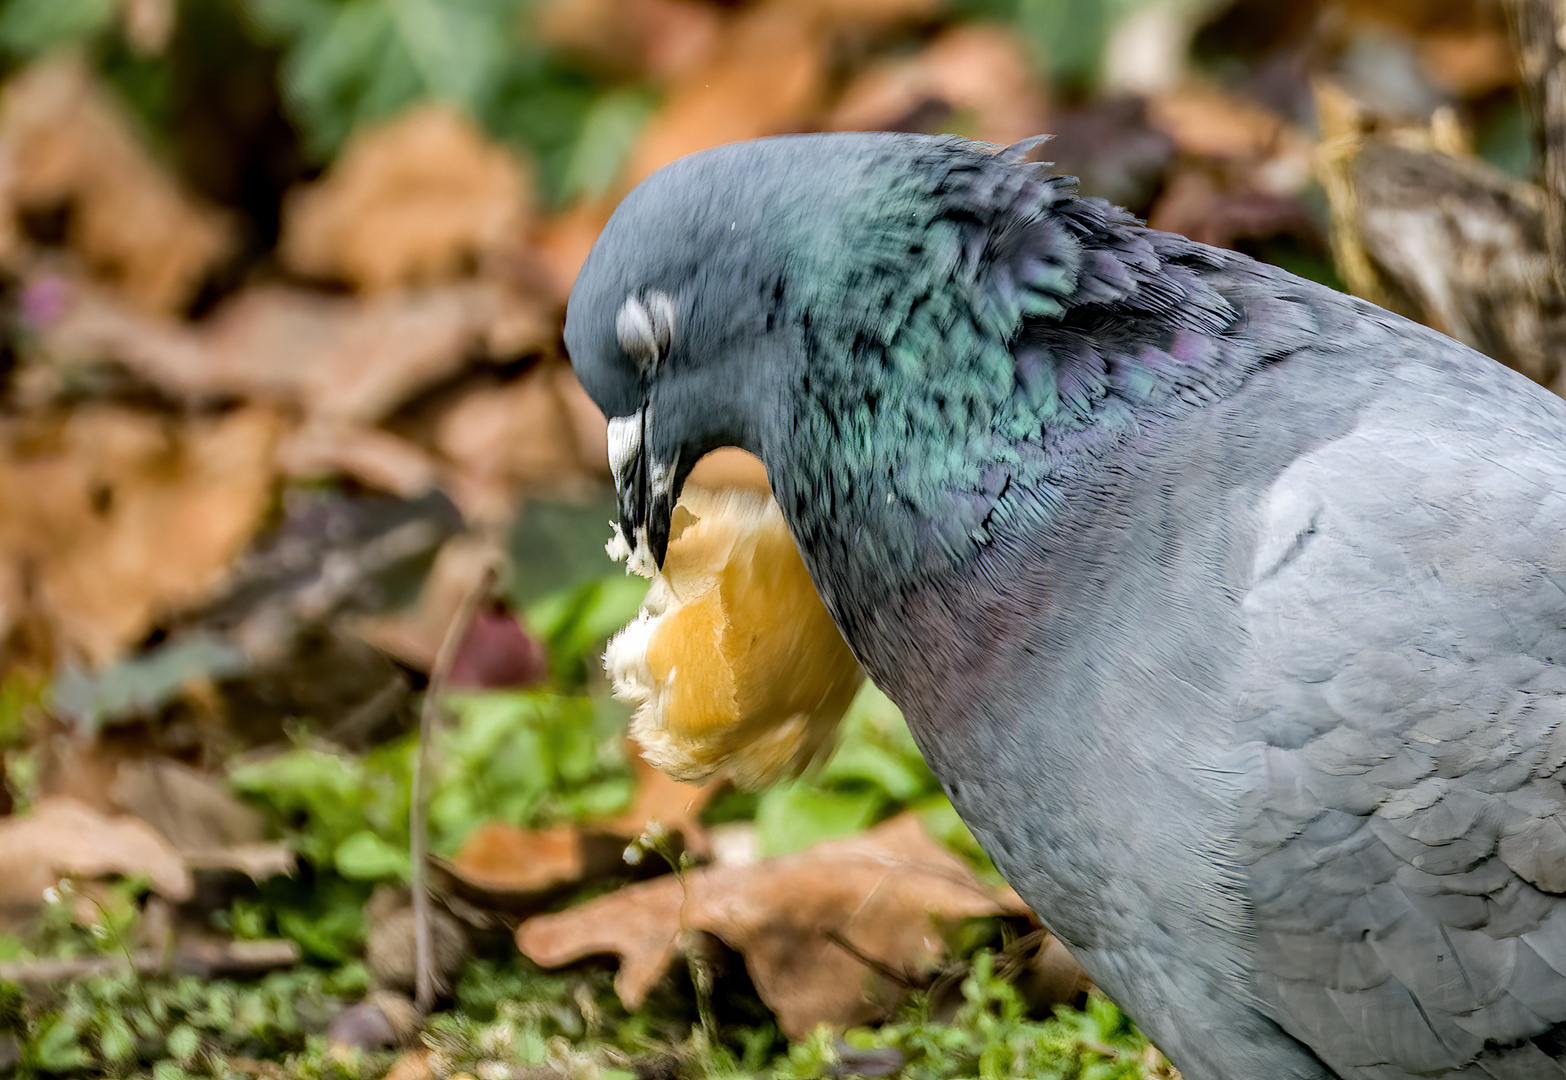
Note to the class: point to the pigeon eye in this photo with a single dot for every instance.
(645, 327)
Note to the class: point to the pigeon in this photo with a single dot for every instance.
(1229, 610)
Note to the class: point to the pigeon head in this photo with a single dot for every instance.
(675, 324)
(692, 319)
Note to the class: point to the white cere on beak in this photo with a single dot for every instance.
(625, 441)
(645, 327)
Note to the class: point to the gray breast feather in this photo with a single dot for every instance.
(1405, 707)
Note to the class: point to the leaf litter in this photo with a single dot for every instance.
(819, 929)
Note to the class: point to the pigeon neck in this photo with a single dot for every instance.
(905, 454)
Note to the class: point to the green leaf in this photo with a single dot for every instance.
(365, 856)
(116, 1041)
(554, 547)
(351, 62)
(31, 27)
(57, 1046)
(794, 816)
(183, 1043)
(1069, 36)
(575, 623)
(609, 132)
(142, 684)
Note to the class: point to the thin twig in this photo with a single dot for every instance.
(886, 971)
(418, 826)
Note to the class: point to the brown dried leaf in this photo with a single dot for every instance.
(199, 816)
(1420, 17)
(67, 144)
(879, 893)
(1470, 65)
(63, 838)
(673, 804)
(341, 359)
(1209, 123)
(344, 358)
(371, 455)
(587, 421)
(561, 242)
(513, 868)
(657, 38)
(1207, 206)
(194, 810)
(413, 637)
(417, 200)
(109, 517)
(148, 24)
(639, 923)
(976, 75)
(866, 13)
(414, 1065)
(765, 74)
(521, 434)
(384, 1018)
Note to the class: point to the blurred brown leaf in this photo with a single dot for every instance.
(414, 636)
(672, 804)
(414, 1065)
(766, 73)
(879, 892)
(198, 814)
(509, 868)
(1470, 64)
(522, 433)
(420, 199)
(384, 1018)
(373, 456)
(1213, 208)
(62, 838)
(148, 24)
(562, 241)
(866, 13)
(338, 358)
(195, 811)
(1420, 17)
(1209, 123)
(357, 360)
(111, 516)
(656, 38)
(973, 77)
(67, 146)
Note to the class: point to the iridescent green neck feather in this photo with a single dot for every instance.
(970, 328)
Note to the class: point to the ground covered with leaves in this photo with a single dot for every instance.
(286, 434)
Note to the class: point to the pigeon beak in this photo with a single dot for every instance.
(645, 489)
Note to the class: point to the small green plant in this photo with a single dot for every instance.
(990, 1037)
(121, 1025)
